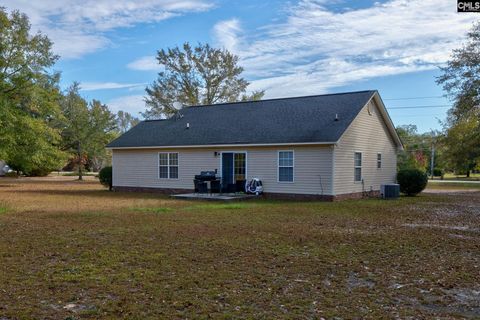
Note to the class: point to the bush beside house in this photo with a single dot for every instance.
(412, 181)
(105, 177)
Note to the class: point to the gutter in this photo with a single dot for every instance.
(226, 145)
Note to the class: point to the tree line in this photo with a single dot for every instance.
(43, 128)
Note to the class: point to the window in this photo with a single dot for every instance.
(379, 161)
(285, 166)
(168, 165)
(239, 166)
(358, 166)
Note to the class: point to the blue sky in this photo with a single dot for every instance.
(288, 48)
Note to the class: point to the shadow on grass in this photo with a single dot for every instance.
(27, 180)
(95, 193)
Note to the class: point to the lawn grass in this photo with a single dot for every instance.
(220, 206)
(74, 250)
(452, 176)
(153, 210)
(452, 185)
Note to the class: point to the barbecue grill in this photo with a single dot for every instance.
(200, 182)
(206, 176)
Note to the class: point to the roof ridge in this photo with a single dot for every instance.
(285, 98)
(149, 120)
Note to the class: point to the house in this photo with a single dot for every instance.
(329, 147)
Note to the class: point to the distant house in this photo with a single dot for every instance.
(326, 146)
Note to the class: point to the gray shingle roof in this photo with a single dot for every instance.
(288, 120)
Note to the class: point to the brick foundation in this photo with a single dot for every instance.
(298, 197)
(357, 195)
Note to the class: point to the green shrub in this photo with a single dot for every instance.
(437, 172)
(11, 174)
(412, 181)
(38, 172)
(105, 177)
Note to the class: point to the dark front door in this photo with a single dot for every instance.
(227, 170)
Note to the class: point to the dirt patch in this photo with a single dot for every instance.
(355, 281)
(434, 226)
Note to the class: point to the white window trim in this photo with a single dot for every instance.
(168, 165)
(293, 166)
(379, 161)
(356, 167)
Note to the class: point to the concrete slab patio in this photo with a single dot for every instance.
(214, 196)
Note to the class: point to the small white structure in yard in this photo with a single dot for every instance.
(2, 166)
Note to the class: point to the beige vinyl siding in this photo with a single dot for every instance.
(312, 167)
(140, 167)
(369, 135)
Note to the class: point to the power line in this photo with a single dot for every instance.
(415, 98)
(422, 107)
(418, 115)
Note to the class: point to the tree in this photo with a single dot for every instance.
(417, 148)
(24, 59)
(32, 155)
(125, 121)
(103, 129)
(29, 97)
(196, 76)
(87, 129)
(462, 147)
(461, 77)
(76, 125)
(461, 81)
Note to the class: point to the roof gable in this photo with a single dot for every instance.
(277, 121)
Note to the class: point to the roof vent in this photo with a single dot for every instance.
(188, 125)
(336, 117)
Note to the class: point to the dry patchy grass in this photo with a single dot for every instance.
(74, 250)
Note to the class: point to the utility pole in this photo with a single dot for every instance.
(432, 156)
(432, 159)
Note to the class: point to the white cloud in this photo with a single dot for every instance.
(92, 86)
(227, 33)
(147, 63)
(133, 104)
(80, 27)
(314, 49)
